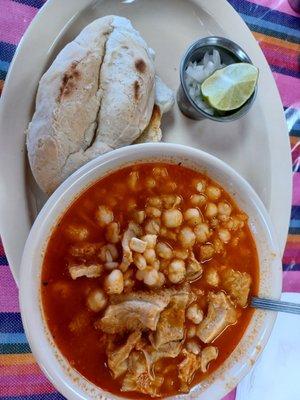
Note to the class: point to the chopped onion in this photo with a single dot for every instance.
(197, 72)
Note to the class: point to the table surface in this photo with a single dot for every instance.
(276, 27)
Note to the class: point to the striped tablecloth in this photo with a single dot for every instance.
(277, 29)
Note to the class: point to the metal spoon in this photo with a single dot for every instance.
(275, 305)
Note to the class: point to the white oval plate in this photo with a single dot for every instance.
(257, 145)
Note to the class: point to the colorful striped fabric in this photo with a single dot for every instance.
(276, 27)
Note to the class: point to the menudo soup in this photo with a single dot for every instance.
(146, 280)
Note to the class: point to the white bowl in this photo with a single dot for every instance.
(67, 380)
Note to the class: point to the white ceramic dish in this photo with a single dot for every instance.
(256, 146)
(70, 383)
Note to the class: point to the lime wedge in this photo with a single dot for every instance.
(229, 88)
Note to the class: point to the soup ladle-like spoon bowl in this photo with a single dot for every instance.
(275, 305)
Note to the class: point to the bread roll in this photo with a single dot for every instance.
(97, 95)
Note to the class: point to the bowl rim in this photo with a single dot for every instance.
(39, 341)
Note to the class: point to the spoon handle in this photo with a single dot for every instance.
(275, 305)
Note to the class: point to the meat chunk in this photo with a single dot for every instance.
(76, 232)
(132, 311)
(208, 354)
(132, 231)
(117, 358)
(221, 313)
(194, 269)
(130, 316)
(187, 368)
(170, 326)
(138, 378)
(127, 258)
(84, 250)
(168, 350)
(89, 271)
(158, 297)
(237, 284)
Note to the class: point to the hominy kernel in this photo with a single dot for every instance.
(193, 347)
(135, 228)
(150, 256)
(151, 277)
(186, 237)
(171, 200)
(153, 212)
(150, 240)
(200, 186)
(172, 218)
(150, 183)
(176, 272)
(198, 200)
(163, 250)
(191, 213)
(140, 261)
(133, 180)
(213, 192)
(154, 202)
(114, 282)
(152, 226)
(96, 300)
(194, 314)
(112, 233)
(192, 216)
(224, 208)
(202, 232)
(206, 252)
(137, 245)
(211, 210)
(224, 235)
(160, 173)
(139, 216)
(104, 216)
